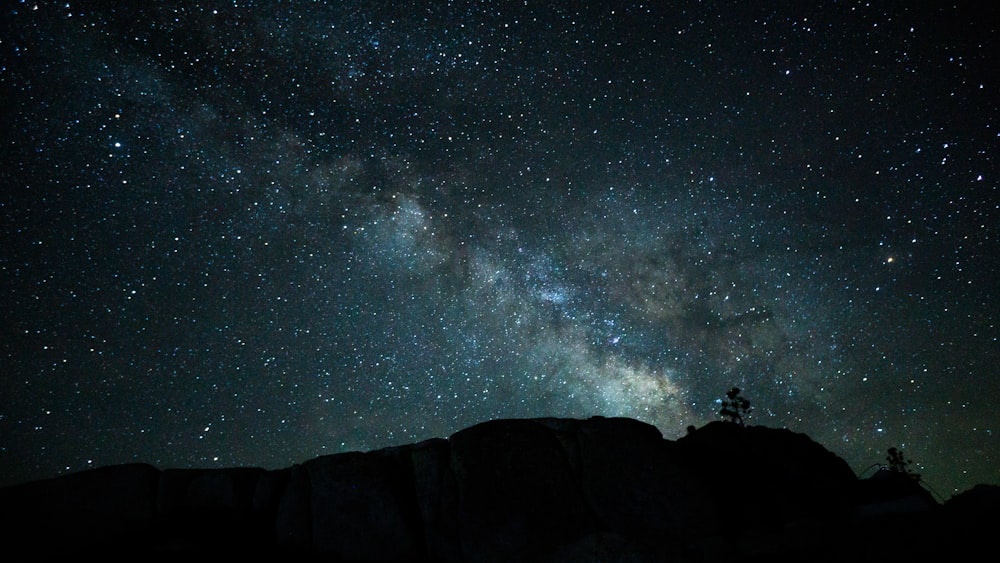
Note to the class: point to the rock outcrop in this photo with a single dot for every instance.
(602, 489)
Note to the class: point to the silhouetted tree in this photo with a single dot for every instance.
(899, 464)
(735, 407)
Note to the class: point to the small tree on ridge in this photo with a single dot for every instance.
(735, 407)
(899, 464)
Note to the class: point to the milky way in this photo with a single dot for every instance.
(250, 233)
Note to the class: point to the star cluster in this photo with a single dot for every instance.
(250, 233)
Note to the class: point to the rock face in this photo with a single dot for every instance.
(602, 489)
(769, 475)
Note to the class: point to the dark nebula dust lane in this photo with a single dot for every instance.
(250, 233)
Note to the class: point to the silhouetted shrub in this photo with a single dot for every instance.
(899, 464)
(735, 407)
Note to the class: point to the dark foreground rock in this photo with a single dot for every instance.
(601, 489)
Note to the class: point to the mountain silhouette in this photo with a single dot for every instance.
(545, 489)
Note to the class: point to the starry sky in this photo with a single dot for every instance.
(254, 232)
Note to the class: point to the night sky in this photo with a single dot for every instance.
(252, 233)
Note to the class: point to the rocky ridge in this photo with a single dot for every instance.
(601, 489)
